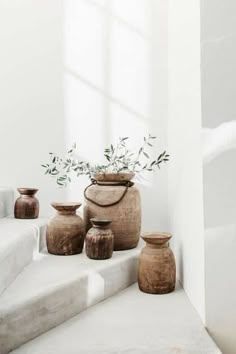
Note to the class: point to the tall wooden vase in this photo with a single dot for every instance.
(65, 231)
(114, 196)
(156, 269)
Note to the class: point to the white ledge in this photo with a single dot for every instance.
(52, 289)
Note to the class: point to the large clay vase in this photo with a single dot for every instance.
(99, 241)
(27, 205)
(113, 196)
(156, 269)
(65, 231)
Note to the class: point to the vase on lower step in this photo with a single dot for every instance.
(99, 241)
(65, 231)
(27, 205)
(156, 268)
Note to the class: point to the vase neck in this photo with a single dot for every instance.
(26, 196)
(66, 212)
(155, 246)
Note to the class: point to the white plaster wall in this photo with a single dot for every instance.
(218, 58)
(184, 144)
(31, 104)
(116, 85)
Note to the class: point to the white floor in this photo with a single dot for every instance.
(130, 322)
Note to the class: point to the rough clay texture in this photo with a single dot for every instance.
(125, 216)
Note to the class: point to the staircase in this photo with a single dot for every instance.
(41, 293)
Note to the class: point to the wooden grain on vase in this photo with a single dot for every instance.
(156, 269)
(27, 205)
(115, 197)
(65, 231)
(99, 241)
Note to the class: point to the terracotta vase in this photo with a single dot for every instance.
(115, 197)
(65, 231)
(99, 241)
(27, 205)
(156, 269)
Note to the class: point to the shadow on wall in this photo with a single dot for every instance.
(116, 84)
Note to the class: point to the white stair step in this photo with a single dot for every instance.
(6, 202)
(53, 289)
(19, 239)
(130, 322)
(40, 225)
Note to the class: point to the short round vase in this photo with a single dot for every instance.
(65, 231)
(27, 205)
(99, 241)
(156, 269)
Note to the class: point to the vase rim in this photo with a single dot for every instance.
(100, 221)
(27, 191)
(156, 237)
(66, 206)
(114, 176)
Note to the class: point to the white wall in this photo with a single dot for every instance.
(116, 85)
(31, 104)
(184, 138)
(218, 58)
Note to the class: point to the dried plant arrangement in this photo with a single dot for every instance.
(119, 159)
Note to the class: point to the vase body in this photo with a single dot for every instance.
(99, 241)
(27, 205)
(119, 201)
(156, 269)
(65, 231)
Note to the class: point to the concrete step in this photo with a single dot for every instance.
(17, 245)
(6, 202)
(19, 240)
(39, 225)
(130, 322)
(52, 289)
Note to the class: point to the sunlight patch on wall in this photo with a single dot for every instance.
(84, 40)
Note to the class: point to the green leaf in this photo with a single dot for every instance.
(145, 154)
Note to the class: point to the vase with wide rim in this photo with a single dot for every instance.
(65, 230)
(27, 205)
(156, 268)
(99, 241)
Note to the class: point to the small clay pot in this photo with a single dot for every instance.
(156, 269)
(27, 205)
(99, 241)
(65, 231)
